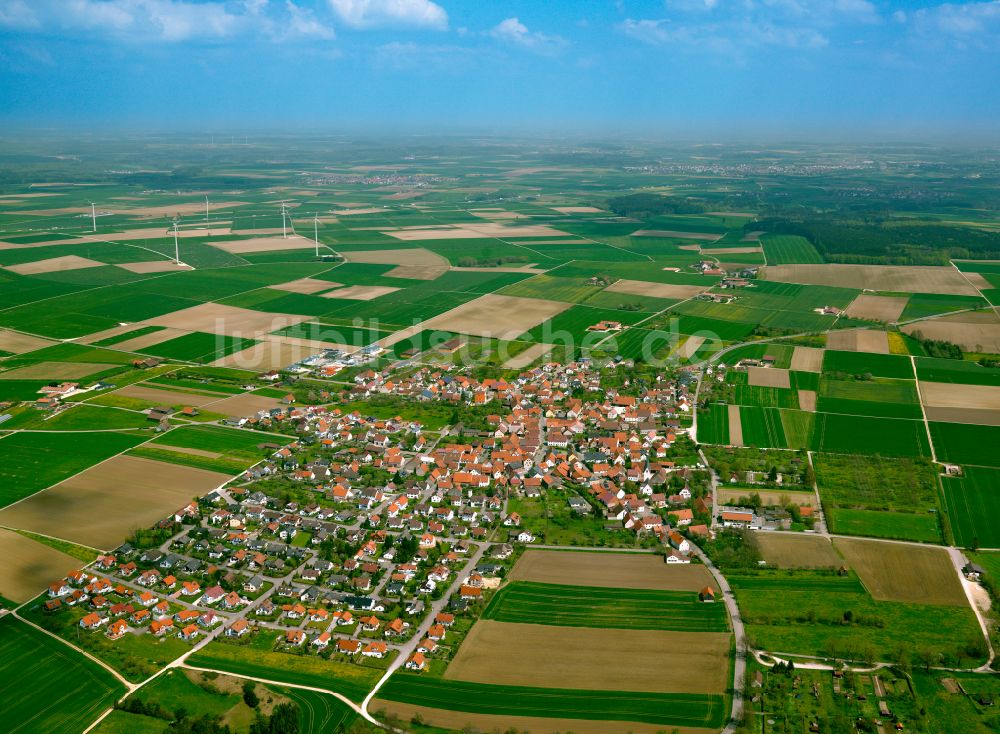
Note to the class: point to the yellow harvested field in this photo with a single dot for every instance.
(355, 212)
(798, 550)
(55, 264)
(528, 356)
(169, 210)
(730, 250)
(147, 233)
(29, 566)
(710, 236)
(528, 268)
(656, 290)
(893, 278)
(476, 230)
(496, 214)
(264, 244)
(267, 355)
(609, 570)
(963, 415)
(417, 272)
(462, 721)
(190, 451)
(244, 405)
(858, 340)
(807, 400)
(360, 292)
(504, 317)
(690, 346)
(577, 209)
(735, 426)
(906, 573)
(100, 506)
(138, 343)
(153, 266)
(402, 195)
(878, 308)
(973, 331)
(807, 359)
(948, 395)
(55, 371)
(214, 318)
(588, 658)
(16, 343)
(406, 256)
(306, 286)
(768, 377)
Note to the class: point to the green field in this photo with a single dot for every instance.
(962, 443)
(46, 686)
(713, 424)
(34, 461)
(765, 397)
(319, 713)
(238, 449)
(117, 338)
(798, 428)
(876, 483)
(922, 305)
(861, 363)
(78, 418)
(956, 371)
(664, 709)
(784, 249)
(199, 347)
(973, 501)
(849, 434)
(570, 327)
(554, 288)
(763, 427)
(528, 602)
(875, 524)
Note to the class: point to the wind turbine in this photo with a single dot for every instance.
(177, 247)
(206, 207)
(284, 231)
(316, 232)
(93, 215)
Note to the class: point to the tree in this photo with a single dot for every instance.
(772, 476)
(250, 694)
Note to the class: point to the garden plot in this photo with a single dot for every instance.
(28, 566)
(592, 659)
(55, 264)
(768, 377)
(609, 570)
(101, 505)
(975, 331)
(876, 277)
(503, 317)
(215, 318)
(656, 290)
(16, 343)
(878, 308)
(859, 340)
(807, 359)
(55, 371)
(735, 426)
(264, 244)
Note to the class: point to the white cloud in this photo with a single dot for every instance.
(168, 20)
(515, 32)
(975, 22)
(394, 13)
(722, 38)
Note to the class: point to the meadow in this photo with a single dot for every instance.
(67, 691)
(782, 249)
(894, 525)
(584, 606)
(665, 709)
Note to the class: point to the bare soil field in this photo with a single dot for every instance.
(475, 230)
(798, 550)
(858, 340)
(307, 286)
(172, 398)
(807, 359)
(529, 355)
(360, 292)
(264, 244)
(101, 505)
(265, 356)
(402, 195)
(690, 346)
(879, 308)
(497, 214)
(875, 277)
(28, 566)
(973, 331)
(948, 395)
(906, 573)
(735, 426)
(711, 236)
(656, 290)
(577, 209)
(529, 268)
(592, 659)
(529, 243)
(730, 250)
(462, 721)
(139, 343)
(417, 256)
(15, 343)
(215, 318)
(609, 570)
(243, 405)
(168, 210)
(354, 212)
(153, 266)
(54, 371)
(138, 234)
(55, 264)
(963, 415)
(417, 272)
(192, 452)
(807, 400)
(504, 317)
(768, 377)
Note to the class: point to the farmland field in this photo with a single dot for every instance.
(664, 709)
(608, 570)
(875, 524)
(798, 550)
(955, 371)
(973, 501)
(583, 606)
(861, 363)
(894, 572)
(67, 692)
(847, 434)
(713, 424)
(783, 249)
(966, 444)
(763, 427)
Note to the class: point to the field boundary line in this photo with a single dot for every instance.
(923, 411)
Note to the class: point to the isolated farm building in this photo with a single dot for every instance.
(707, 594)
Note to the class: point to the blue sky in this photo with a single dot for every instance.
(739, 67)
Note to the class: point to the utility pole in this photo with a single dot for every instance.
(93, 216)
